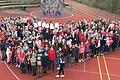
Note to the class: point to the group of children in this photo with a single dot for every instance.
(38, 46)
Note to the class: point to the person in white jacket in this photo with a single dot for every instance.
(8, 53)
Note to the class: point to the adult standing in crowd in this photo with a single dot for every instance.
(52, 56)
(33, 64)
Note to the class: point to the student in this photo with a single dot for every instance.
(52, 56)
(33, 65)
(76, 53)
(81, 52)
(13, 55)
(8, 54)
(58, 54)
(93, 49)
(73, 54)
(39, 66)
(61, 67)
(28, 64)
(45, 62)
(3, 50)
(22, 67)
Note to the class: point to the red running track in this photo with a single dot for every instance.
(81, 71)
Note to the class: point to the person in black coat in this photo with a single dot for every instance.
(45, 62)
(3, 50)
(93, 49)
(76, 53)
(103, 45)
(61, 67)
(19, 32)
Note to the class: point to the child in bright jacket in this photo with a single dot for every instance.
(52, 56)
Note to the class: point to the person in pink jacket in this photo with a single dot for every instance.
(87, 49)
(81, 51)
(22, 56)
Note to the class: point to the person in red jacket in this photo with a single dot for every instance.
(52, 56)
(81, 36)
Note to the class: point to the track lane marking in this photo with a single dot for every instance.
(106, 67)
(100, 71)
(93, 72)
(112, 58)
(11, 71)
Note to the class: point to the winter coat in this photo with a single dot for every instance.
(82, 49)
(61, 63)
(52, 54)
(87, 47)
(45, 61)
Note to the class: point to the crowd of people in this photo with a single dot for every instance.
(37, 46)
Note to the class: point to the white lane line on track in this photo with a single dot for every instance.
(112, 58)
(91, 72)
(11, 71)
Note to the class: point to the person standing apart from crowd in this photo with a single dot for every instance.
(61, 67)
(58, 54)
